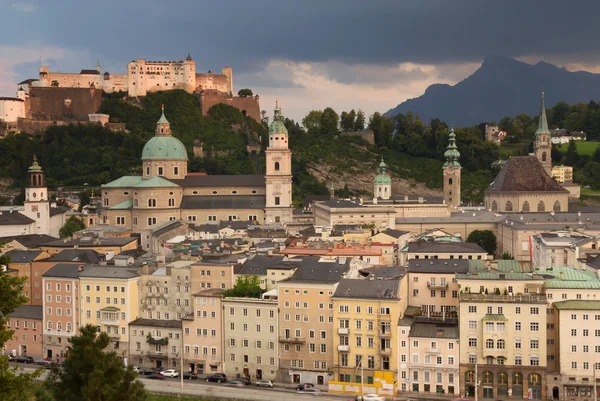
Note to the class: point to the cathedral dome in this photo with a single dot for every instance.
(277, 126)
(164, 147)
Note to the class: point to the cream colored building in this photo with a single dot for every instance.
(425, 249)
(552, 248)
(365, 312)
(206, 275)
(109, 301)
(251, 338)
(270, 269)
(562, 173)
(166, 294)
(344, 211)
(155, 343)
(203, 337)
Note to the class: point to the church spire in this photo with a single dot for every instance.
(543, 121)
(452, 154)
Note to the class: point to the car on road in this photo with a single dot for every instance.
(43, 362)
(217, 378)
(369, 397)
(148, 371)
(304, 386)
(156, 376)
(170, 373)
(24, 359)
(246, 380)
(264, 383)
(190, 375)
(236, 383)
(310, 391)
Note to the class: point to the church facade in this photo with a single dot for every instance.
(167, 192)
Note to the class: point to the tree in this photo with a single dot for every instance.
(312, 122)
(84, 199)
(245, 92)
(72, 225)
(359, 123)
(345, 192)
(572, 157)
(347, 120)
(89, 373)
(485, 239)
(245, 287)
(329, 122)
(382, 129)
(55, 84)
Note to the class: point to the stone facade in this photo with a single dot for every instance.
(155, 343)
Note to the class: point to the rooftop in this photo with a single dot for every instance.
(443, 266)
(368, 289)
(64, 270)
(434, 330)
(90, 241)
(429, 246)
(29, 240)
(577, 305)
(96, 271)
(34, 312)
(22, 256)
(221, 181)
(223, 202)
(77, 255)
(14, 219)
(524, 174)
(172, 324)
(311, 270)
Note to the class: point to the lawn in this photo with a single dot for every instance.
(590, 192)
(583, 148)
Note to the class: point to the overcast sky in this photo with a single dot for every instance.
(362, 54)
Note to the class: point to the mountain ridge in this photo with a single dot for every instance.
(501, 86)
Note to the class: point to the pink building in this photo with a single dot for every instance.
(26, 323)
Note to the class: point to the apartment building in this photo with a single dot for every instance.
(251, 337)
(203, 333)
(27, 327)
(364, 313)
(578, 327)
(61, 309)
(109, 300)
(428, 354)
(502, 334)
(552, 249)
(440, 248)
(166, 293)
(27, 264)
(306, 321)
(206, 275)
(270, 269)
(155, 343)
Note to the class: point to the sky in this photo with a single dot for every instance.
(309, 54)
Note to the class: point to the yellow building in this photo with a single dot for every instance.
(562, 173)
(365, 314)
(109, 300)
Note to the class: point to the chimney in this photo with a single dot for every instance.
(372, 276)
(80, 268)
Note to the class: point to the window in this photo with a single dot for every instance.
(472, 324)
(472, 342)
(120, 220)
(508, 207)
(276, 166)
(151, 202)
(534, 344)
(472, 309)
(277, 200)
(573, 332)
(151, 221)
(525, 207)
(534, 326)
(541, 207)
(517, 326)
(171, 202)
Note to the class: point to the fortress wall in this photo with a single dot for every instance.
(49, 103)
(248, 104)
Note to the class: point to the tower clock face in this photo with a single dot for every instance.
(34, 208)
(277, 186)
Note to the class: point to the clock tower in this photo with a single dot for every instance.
(278, 179)
(36, 199)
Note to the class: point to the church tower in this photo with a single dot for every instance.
(278, 207)
(36, 199)
(383, 182)
(541, 146)
(452, 170)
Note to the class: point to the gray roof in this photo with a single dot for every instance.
(396, 233)
(235, 225)
(311, 270)
(443, 266)
(54, 211)
(14, 219)
(90, 241)
(385, 272)
(168, 226)
(173, 324)
(217, 181)
(63, 270)
(368, 289)
(594, 262)
(258, 264)
(22, 256)
(423, 246)
(77, 255)
(460, 217)
(34, 312)
(108, 272)
(524, 174)
(223, 202)
(341, 203)
(29, 240)
(434, 330)
(208, 228)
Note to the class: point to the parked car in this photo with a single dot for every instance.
(264, 383)
(310, 391)
(24, 359)
(369, 397)
(148, 371)
(170, 373)
(245, 380)
(304, 386)
(53, 364)
(43, 362)
(156, 376)
(217, 378)
(190, 375)
(236, 383)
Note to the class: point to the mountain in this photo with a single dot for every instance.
(501, 87)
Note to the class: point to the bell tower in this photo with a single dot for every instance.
(452, 171)
(36, 199)
(383, 182)
(541, 146)
(278, 178)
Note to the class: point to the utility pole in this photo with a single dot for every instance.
(476, 384)
(362, 380)
(181, 353)
(595, 390)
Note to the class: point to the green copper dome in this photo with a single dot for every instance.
(35, 167)
(277, 126)
(452, 154)
(383, 177)
(164, 147)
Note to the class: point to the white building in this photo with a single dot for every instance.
(560, 136)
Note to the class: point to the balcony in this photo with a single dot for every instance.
(343, 348)
(109, 322)
(433, 351)
(345, 330)
(436, 286)
(519, 298)
(385, 351)
(385, 334)
(157, 354)
(292, 340)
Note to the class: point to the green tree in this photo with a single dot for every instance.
(329, 122)
(347, 120)
(572, 157)
(89, 373)
(345, 192)
(312, 122)
(245, 92)
(382, 129)
(84, 199)
(485, 239)
(359, 123)
(245, 287)
(72, 225)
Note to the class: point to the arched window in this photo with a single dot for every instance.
(59, 326)
(508, 206)
(525, 206)
(469, 376)
(500, 344)
(541, 206)
(171, 201)
(494, 206)
(544, 156)
(49, 325)
(69, 327)
(556, 206)
(517, 379)
(502, 377)
(135, 202)
(489, 343)
(501, 360)
(534, 379)
(34, 179)
(151, 202)
(488, 377)
(276, 166)
(450, 181)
